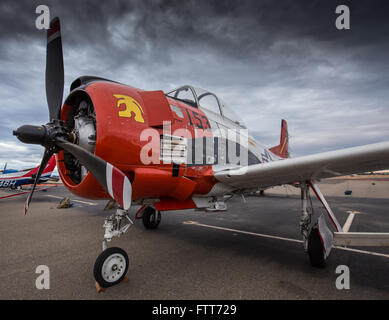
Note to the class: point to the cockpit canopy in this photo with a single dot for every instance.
(203, 99)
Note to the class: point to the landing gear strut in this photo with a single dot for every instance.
(306, 214)
(111, 265)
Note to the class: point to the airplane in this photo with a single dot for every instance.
(17, 178)
(5, 170)
(143, 148)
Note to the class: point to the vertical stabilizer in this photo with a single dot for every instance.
(282, 150)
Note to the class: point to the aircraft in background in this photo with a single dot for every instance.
(101, 135)
(14, 179)
(5, 170)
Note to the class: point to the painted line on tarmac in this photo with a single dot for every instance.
(243, 232)
(349, 221)
(85, 202)
(195, 223)
(24, 192)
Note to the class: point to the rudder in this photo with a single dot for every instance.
(282, 150)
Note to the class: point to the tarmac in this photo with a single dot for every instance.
(252, 251)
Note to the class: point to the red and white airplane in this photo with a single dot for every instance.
(14, 178)
(171, 151)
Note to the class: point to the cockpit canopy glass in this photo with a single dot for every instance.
(185, 94)
(208, 100)
(200, 98)
(233, 116)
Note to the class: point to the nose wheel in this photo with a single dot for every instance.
(111, 267)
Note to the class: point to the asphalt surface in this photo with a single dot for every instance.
(180, 260)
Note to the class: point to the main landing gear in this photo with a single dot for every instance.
(111, 265)
(311, 237)
(318, 238)
(150, 216)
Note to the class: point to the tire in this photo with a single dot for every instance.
(151, 218)
(315, 249)
(103, 270)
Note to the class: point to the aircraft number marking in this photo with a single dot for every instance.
(202, 121)
(7, 183)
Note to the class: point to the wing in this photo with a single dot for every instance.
(313, 167)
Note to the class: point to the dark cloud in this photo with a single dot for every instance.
(267, 59)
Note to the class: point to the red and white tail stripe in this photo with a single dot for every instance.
(119, 186)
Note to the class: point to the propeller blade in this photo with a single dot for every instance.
(54, 69)
(114, 181)
(111, 178)
(46, 157)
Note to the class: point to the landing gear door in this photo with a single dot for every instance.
(325, 235)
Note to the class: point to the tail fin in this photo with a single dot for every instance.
(282, 150)
(49, 167)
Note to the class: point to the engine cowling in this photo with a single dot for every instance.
(107, 118)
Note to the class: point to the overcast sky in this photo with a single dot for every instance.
(268, 60)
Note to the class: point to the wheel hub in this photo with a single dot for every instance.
(113, 267)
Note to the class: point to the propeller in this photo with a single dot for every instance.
(55, 137)
(54, 69)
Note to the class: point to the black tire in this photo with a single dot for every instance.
(98, 271)
(151, 218)
(315, 249)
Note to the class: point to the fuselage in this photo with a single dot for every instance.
(169, 146)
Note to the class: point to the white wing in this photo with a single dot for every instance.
(313, 167)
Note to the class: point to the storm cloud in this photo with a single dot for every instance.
(268, 60)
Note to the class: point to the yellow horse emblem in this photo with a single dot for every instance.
(132, 107)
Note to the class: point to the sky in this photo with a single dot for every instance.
(267, 60)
